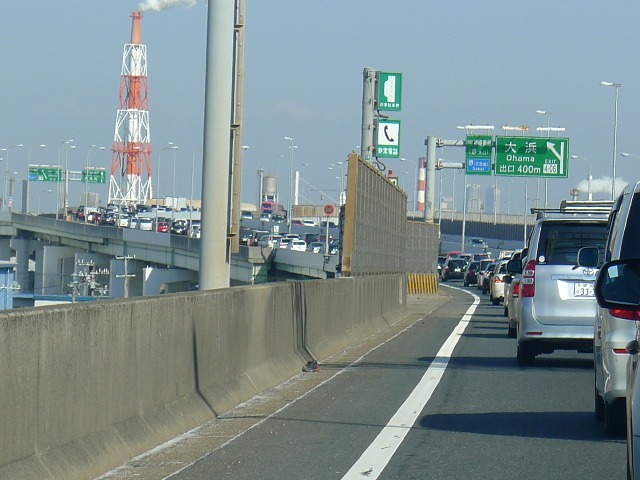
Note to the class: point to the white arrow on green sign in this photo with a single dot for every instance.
(532, 157)
(45, 173)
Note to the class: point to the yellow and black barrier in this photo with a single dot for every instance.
(422, 283)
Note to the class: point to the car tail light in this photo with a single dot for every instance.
(499, 280)
(516, 290)
(625, 314)
(528, 281)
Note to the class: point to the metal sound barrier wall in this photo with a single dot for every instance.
(374, 231)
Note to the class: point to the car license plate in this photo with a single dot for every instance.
(581, 289)
(457, 270)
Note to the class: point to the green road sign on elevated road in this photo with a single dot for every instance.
(389, 91)
(532, 157)
(45, 173)
(479, 151)
(94, 175)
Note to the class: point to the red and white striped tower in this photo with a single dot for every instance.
(422, 181)
(132, 140)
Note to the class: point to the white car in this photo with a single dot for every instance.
(612, 332)
(617, 288)
(283, 242)
(309, 223)
(316, 247)
(298, 245)
(268, 240)
(496, 283)
(145, 224)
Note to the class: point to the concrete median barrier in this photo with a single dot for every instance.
(87, 386)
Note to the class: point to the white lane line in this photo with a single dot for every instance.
(379, 453)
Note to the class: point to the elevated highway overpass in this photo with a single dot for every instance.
(164, 263)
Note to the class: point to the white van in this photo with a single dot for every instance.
(556, 306)
(612, 333)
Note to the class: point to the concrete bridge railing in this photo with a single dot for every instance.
(87, 386)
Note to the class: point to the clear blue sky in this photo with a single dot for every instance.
(462, 62)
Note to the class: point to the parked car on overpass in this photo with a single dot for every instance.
(297, 244)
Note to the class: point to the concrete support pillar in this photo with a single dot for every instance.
(126, 278)
(167, 280)
(5, 248)
(23, 249)
(54, 269)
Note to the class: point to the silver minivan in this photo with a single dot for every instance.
(612, 330)
(557, 303)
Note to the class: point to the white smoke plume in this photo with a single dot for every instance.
(158, 5)
(602, 185)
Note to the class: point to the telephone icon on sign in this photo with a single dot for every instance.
(386, 133)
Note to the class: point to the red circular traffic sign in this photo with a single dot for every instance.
(328, 209)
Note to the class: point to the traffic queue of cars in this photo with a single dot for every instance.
(142, 217)
(577, 287)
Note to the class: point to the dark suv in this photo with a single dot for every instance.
(470, 274)
(453, 268)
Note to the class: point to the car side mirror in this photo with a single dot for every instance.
(618, 286)
(514, 266)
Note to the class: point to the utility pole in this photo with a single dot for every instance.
(126, 275)
(368, 100)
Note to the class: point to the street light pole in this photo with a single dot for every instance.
(157, 195)
(415, 180)
(290, 205)
(173, 186)
(615, 134)
(65, 203)
(546, 180)
(589, 177)
(27, 196)
(86, 183)
(5, 198)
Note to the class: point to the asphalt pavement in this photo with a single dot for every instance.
(487, 417)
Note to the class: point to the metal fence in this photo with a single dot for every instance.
(374, 230)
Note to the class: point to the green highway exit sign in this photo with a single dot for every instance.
(45, 173)
(389, 91)
(478, 153)
(532, 157)
(94, 175)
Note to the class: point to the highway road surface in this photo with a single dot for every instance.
(438, 396)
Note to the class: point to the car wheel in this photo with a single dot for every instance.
(505, 312)
(511, 333)
(466, 284)
(526, 357)
(495, 301)
(598, 405)
(614, 418)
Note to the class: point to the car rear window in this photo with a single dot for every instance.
(559, 242)
(456, 263)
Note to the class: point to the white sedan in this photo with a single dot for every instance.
(298, 245)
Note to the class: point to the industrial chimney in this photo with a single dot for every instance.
(132, 139)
